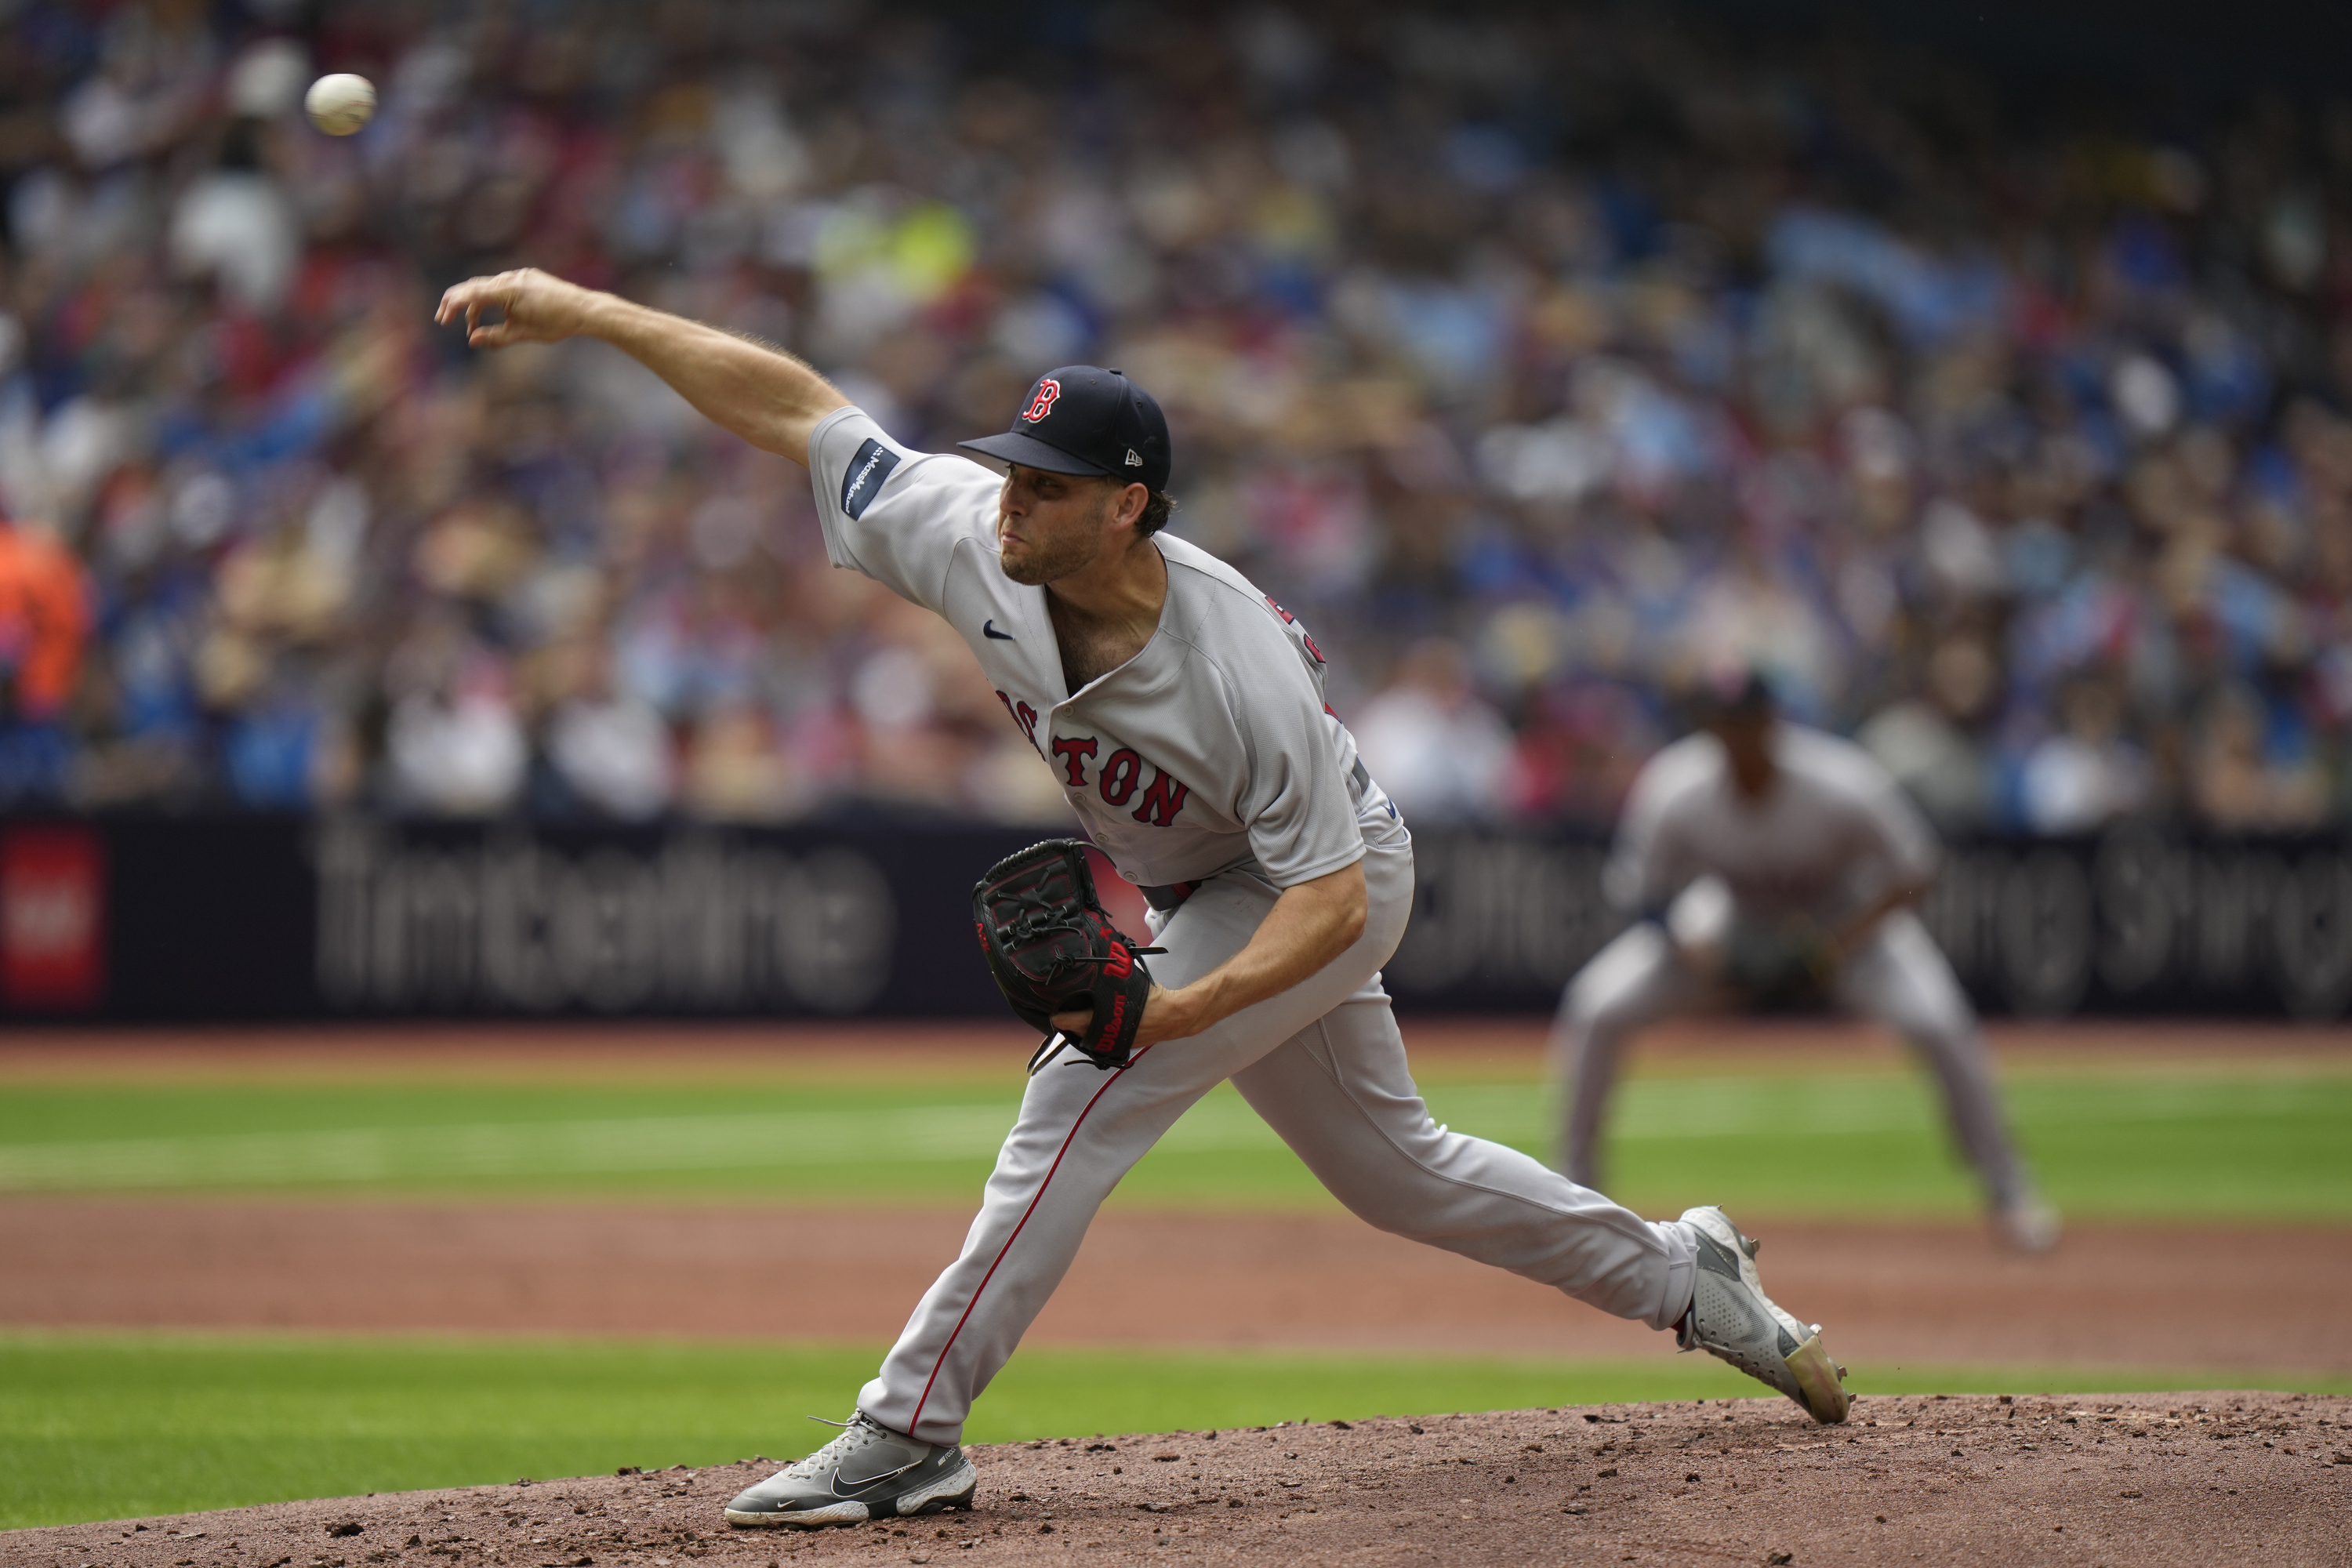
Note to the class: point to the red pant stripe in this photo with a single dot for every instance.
(915, 1420)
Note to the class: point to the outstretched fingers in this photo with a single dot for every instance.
(497, 335)
(470, 299)
(456, 299)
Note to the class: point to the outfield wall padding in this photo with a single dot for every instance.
(255, 918)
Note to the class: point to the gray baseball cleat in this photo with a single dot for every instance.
(867, 1472)
(1731, 1319)
(2026, 1224)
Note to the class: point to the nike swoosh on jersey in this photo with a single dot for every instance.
(988, 628)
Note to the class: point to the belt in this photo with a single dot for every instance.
(1165, 899)
(1170, 895)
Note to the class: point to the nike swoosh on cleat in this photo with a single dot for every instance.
(860, 1483)
(988, 628)
(1714, 1257)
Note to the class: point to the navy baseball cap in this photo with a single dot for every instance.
(1083, 419)
(1733, 695)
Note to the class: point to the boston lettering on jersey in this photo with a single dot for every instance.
(1163, 797)
(1022, 715)
(1117, 778)
(1232, 701)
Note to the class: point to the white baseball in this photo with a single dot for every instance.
(340, 104)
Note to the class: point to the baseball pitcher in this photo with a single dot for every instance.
(1181, 712)
(1773, 865)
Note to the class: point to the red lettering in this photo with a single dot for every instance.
(1290, 620)
(1119, 775)
(1070, 749)
(1022, 715)
(1121, 963)
(1162, 799)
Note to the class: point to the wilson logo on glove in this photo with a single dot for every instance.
(1053, 948)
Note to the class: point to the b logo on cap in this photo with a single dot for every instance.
(1042, 404)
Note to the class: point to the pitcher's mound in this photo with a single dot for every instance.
(2143, 1479)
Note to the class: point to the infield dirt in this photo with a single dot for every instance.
(1891, 1294)
(1927, 1292)
(2151, 1480)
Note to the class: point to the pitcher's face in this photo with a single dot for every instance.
(1050, 525)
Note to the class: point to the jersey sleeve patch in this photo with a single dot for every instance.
(868, 471)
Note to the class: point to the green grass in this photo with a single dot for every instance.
(2137, 1139)
(120, 1424)
(117, 1425)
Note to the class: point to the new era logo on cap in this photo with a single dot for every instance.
(1085, 419)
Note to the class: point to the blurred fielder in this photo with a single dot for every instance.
(1772, 865)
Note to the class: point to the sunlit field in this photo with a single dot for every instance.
(2129, 1139)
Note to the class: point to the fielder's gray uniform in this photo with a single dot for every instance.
(1833, 833)
(1210, 771)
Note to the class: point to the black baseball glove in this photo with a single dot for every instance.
(1784, 963)
(1053, 950)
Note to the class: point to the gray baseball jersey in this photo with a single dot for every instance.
(1211, 749)
(1835, 830)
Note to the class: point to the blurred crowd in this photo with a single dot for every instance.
(1549, 366)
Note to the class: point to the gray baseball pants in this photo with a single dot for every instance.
(1899, 978)
(1324, 1064)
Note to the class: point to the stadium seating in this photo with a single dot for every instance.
(1543, 365)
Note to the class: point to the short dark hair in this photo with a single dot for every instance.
(1744, 697)
(1156, 504)
(1155, 513)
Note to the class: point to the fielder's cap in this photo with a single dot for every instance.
(1732, 695)
(1083, 419)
